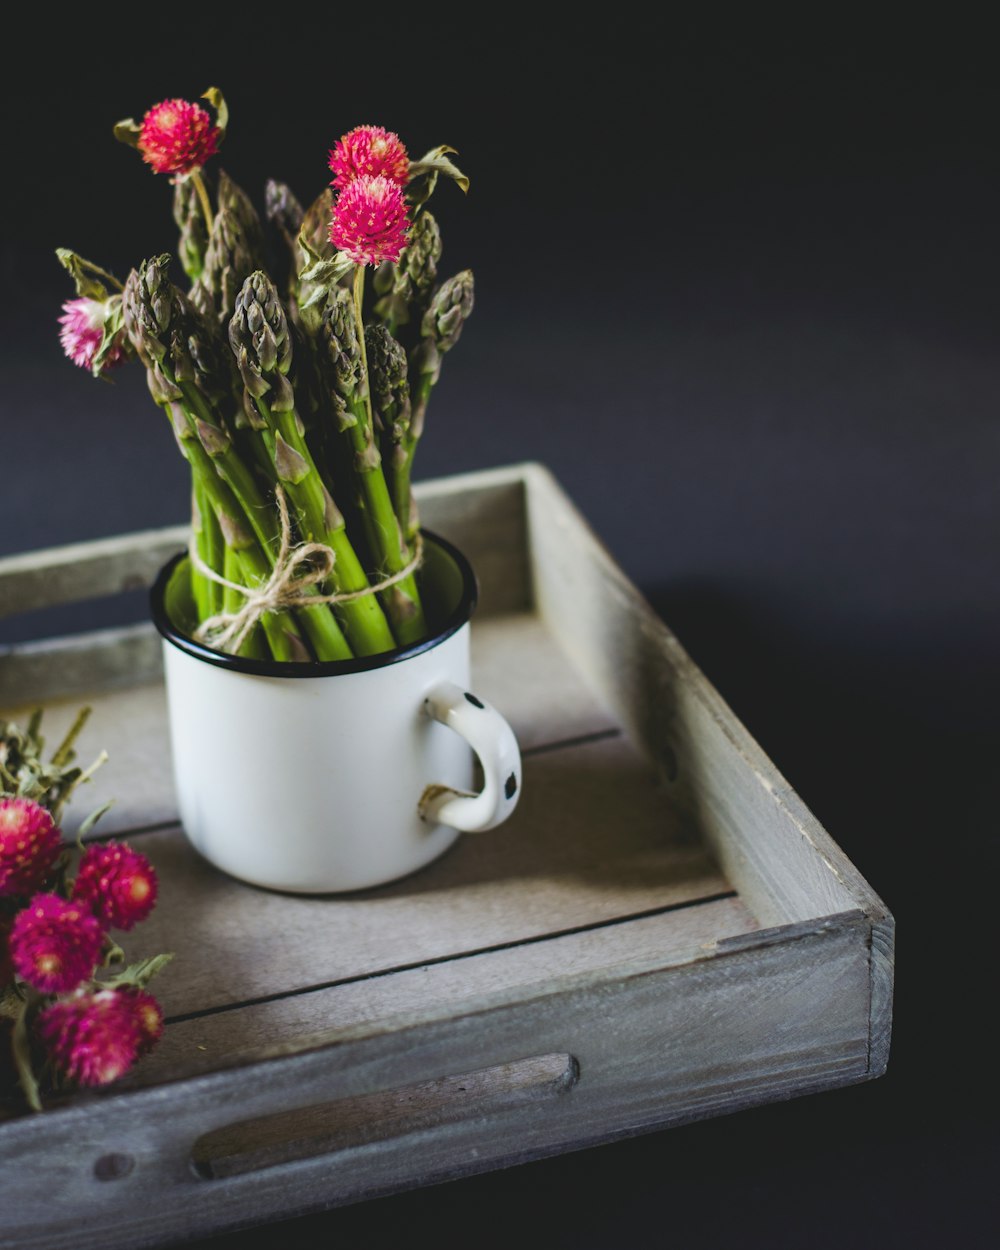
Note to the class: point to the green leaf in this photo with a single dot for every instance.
(85, 274)
(92, 820)
(215, 97)
(139, 974)
(64, 753)
(327, 272)
(111, 338)
(127, 131)
(424, 174)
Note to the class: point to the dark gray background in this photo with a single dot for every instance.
(736, 286)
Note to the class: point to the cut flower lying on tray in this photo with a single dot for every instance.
(74, 1012)
(298, 410)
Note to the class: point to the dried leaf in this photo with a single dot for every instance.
(215, 97)
(127, 131)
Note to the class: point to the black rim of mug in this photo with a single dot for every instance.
(316, 668)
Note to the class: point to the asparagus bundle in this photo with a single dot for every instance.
(298, 407)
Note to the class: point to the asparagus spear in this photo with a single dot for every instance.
(408, 283)
(261, 342)
(209, 545)
(229, 258)
(387, 367)
(440, 329)
(284, 211)
(168, 340)
(190, 221)
(349, 393)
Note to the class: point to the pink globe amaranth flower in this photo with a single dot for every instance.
(118, 885)
(93, 1038)
(148, 1015)
(82, 329)
(177, 137)
(370, 221)
(29, 845)
(55, 944)
(366, 151)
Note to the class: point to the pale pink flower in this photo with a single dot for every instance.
(369, 221)
(94, 1038)
(55, 944)
(117, 884)
(177, 137)
(366, 151)
(29, 845)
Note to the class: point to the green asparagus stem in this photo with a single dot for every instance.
(147, 310)
(261, 342)
(254, 646)
(405, 286)
(199, 583)
(235, 201)
(229, 258)
(346, 359)
(440, 328)
(390, 389)
(283, 211)
(210, 548)
(167, 339)
(194, 233)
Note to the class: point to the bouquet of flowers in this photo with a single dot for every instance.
(298, 406)
(75, 1013)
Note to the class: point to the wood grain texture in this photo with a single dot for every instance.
(772, 848)
(591, 840)
(882, 955)
(550, 964)
(652, 1049)
(78, 571)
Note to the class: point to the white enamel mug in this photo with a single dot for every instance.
(327, 777)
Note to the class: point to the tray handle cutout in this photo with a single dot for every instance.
(329, 1128)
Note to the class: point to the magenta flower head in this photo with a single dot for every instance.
(117, 884)
(55, 944)
(148, 1016)
(367, 151)
(29, 845)
(93, 1039)
(82, 328)
(370, 221)
(177, 137)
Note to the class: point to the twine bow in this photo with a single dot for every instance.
(290, 585)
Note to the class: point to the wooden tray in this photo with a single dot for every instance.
(662, 933)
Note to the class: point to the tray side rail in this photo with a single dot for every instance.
(614, 1058)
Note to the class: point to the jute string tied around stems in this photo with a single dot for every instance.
(289, 586)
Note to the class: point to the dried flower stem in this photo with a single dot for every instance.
(206, 207)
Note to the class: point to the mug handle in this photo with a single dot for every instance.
(492, 739)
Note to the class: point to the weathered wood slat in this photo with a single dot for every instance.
(771, 847)
(90, 570)
(240, 1035)
(591, 840)
(710, 1036)
(98, 660)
